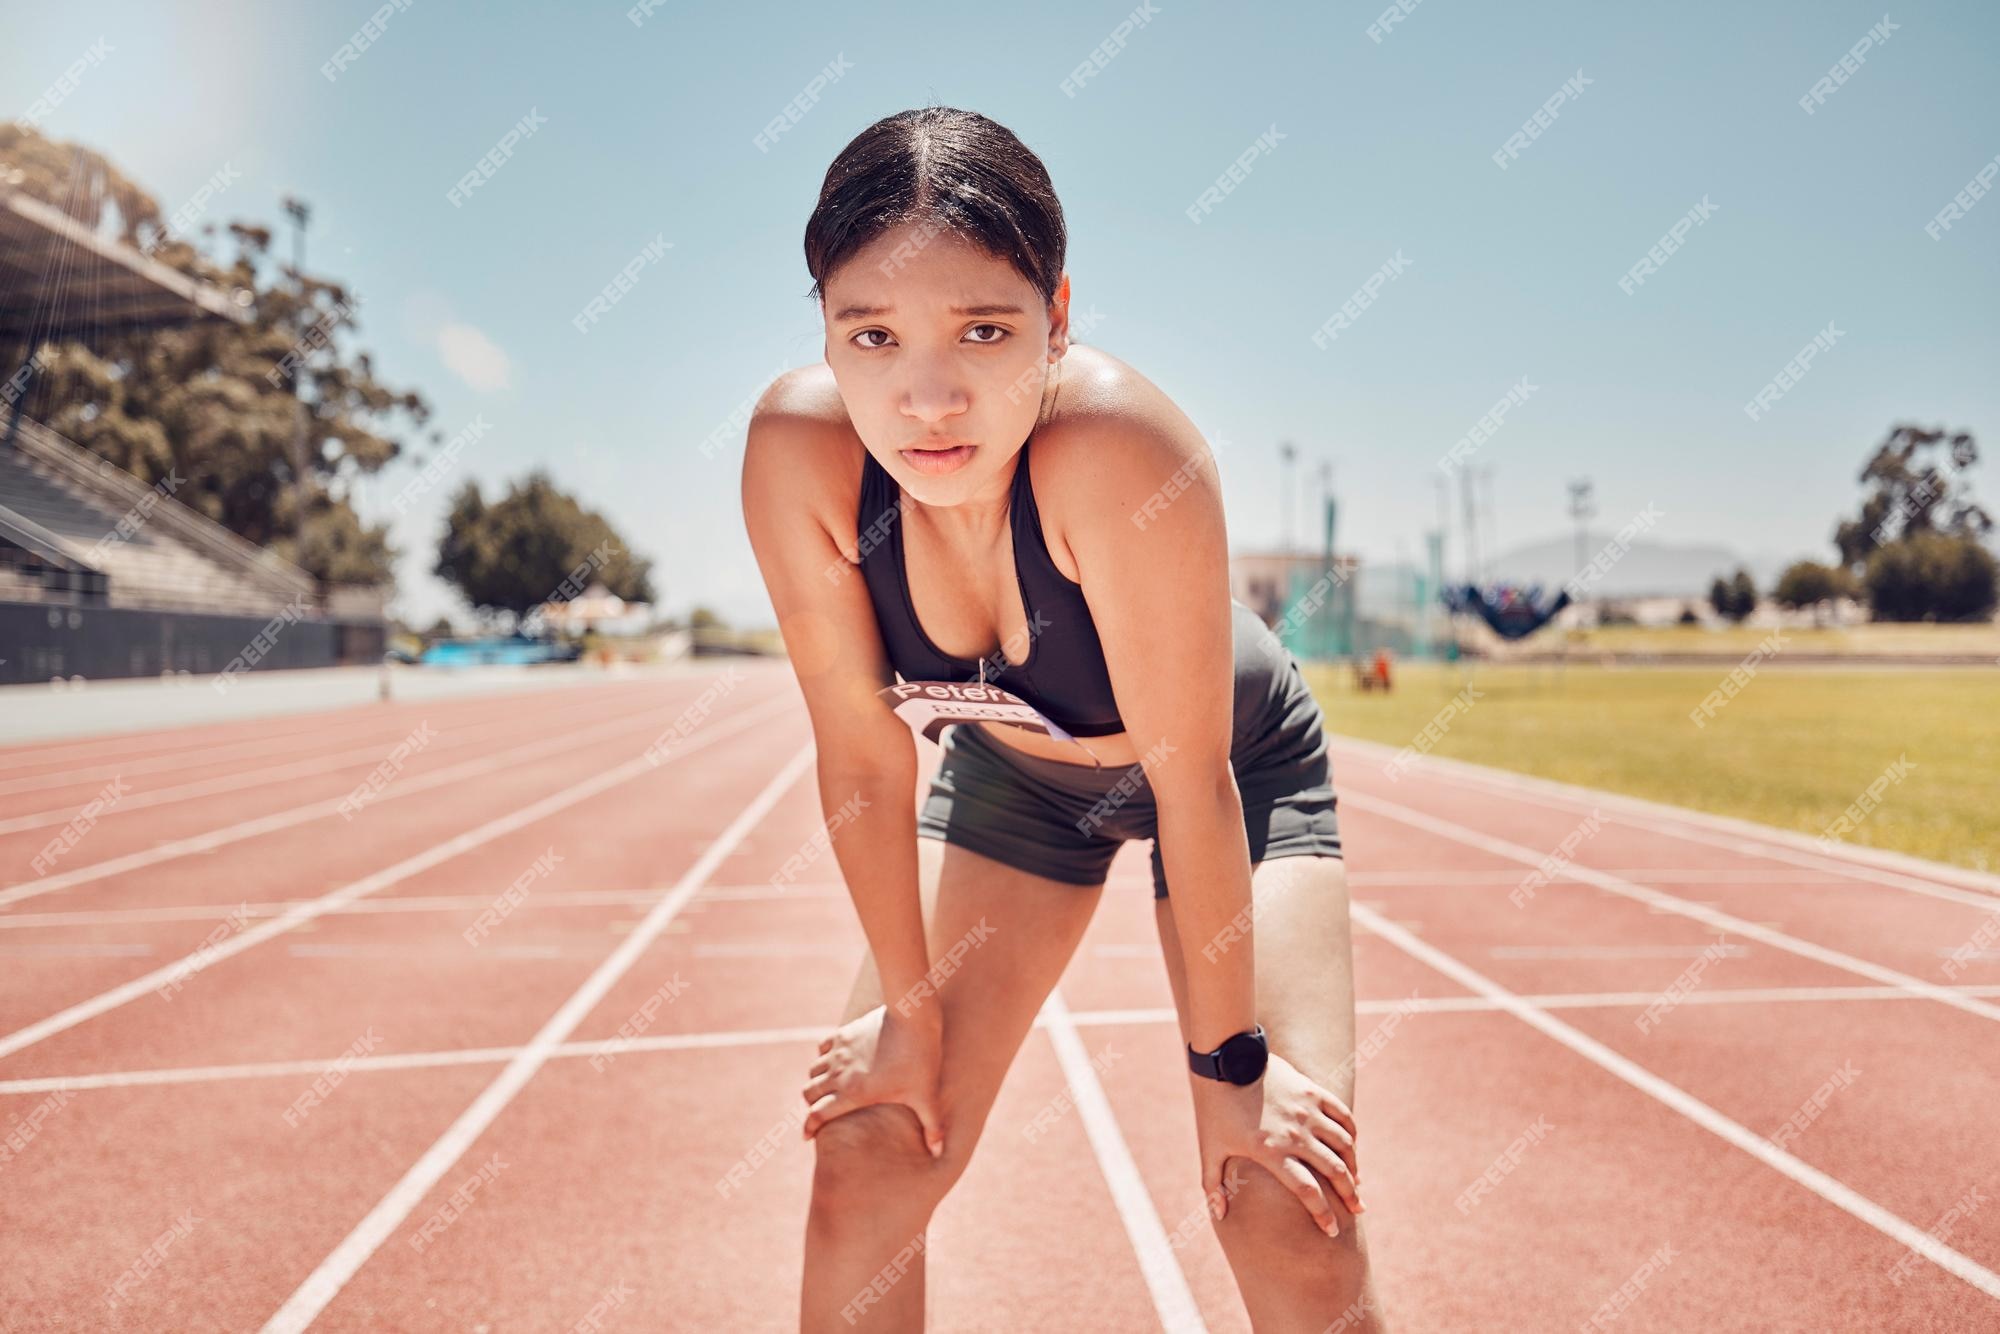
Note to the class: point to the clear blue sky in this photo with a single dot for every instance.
(1387, 147)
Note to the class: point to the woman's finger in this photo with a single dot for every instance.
(1306, 1186)
(826, 1109)
(818, 1089)
(826, 1046)
(820, 1067)
(1330, 1131)
(1330, 1165)
(1337, 1110)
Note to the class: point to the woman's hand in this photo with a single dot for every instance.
(880, 1057)
(1285, 1123)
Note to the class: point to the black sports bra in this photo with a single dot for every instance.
(1064, 676)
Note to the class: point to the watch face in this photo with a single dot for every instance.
(1242, 1058)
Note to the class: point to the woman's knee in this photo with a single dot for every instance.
(1266, 1218)
(874, 1160)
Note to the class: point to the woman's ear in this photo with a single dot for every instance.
(1059, 319)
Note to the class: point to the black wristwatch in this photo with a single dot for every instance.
(1239, 1060)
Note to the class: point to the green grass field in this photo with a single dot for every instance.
(1914, 641)
(1793, 748)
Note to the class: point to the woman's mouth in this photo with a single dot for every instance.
(937, 462)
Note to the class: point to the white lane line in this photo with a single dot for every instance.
(1694, 1109)
(325, 1282)
(405, 785)
(1666, 902)
(575, 898)
(1157, 1261)
(356, 757)
(1456, 879)
(207, 956)
(751, 1037)
(1853, 861)
(190, 754)
(1613, 951)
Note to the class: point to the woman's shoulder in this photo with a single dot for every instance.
(1112, 427)
(801, 450)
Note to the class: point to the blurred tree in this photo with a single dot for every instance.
(1932, 576)
(1807, 583)
(1917, 486)
(532, 545)
(268, 423)
(1735, 597)
(701, 618)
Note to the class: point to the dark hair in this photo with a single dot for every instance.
(955, 170)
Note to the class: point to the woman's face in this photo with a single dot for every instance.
(933, 342)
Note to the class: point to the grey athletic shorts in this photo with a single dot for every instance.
(1067, 821)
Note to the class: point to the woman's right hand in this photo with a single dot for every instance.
(880, 1057)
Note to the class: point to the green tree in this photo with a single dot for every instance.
(1807, 583)
(1735, 597)
(1916, 484)
(269, 423)
(1932, 576)
(534, 544)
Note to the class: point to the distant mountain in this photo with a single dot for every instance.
(1645, 569)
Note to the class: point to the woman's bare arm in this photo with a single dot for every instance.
(798, 449)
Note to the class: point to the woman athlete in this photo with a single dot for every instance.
(902, 531)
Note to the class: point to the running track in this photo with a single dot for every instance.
(257, 1076)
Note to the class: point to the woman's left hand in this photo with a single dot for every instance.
(1285, 1123)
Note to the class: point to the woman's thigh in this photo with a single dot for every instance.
(1019, 931)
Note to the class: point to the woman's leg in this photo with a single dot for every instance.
(874, 1184)
(1294, 1277)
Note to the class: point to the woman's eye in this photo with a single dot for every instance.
(871, 346)
(1002, 333)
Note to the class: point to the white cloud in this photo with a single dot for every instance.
(473, 357)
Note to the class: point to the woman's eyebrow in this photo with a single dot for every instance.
(871, 312)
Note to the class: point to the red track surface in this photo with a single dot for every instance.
(153, 1152)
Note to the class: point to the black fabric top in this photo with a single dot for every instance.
(1064, 676)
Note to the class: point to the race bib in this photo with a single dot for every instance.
(931, 706)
